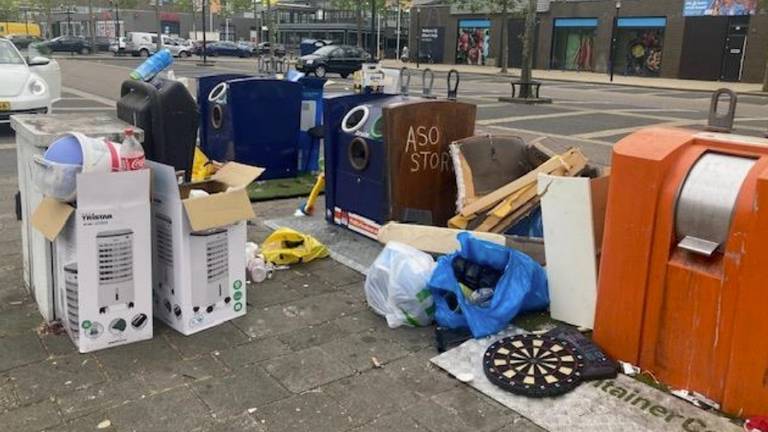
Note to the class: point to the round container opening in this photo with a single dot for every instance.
(359, 154)
(218, 93)
(217, 116)
(377, 131)
(355, 118)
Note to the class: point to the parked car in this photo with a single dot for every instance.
(178, 47)
(250, 46)
(224, 49)
(140, 43)
(27, 85)
(342, 59)
(67, 43)
(22, 41)
(103, 43)
(117, 47)
(265, 48)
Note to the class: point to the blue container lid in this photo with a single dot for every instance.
(65, 150)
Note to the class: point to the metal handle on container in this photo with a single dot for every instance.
(453, 89)
(405, 80)
(426, 86)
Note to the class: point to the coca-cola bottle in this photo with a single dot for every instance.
(131, 152)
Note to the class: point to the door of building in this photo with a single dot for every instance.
(703, 40)
(733, 54)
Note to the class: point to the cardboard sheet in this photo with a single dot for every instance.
(619, 405)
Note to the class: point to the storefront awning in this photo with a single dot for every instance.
(642, 22)
(576, 22)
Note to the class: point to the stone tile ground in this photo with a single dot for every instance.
(300, 360)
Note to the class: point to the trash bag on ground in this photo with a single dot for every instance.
(286, 246)
(396, 286)
(521, 288)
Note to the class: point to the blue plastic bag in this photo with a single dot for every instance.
(522, 288)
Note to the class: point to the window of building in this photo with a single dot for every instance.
(573, 43)
(639, 45)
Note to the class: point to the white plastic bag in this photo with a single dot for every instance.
(396, 286)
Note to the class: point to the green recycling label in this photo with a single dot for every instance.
(237, 284)
(86, 324)
(238, 295)
(238, 307)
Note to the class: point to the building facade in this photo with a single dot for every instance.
(724, 40)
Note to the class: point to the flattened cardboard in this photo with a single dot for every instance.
(218, 210)
(237, 175)
(51, 216)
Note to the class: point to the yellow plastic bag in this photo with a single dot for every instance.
(286, 246)
(202, 167)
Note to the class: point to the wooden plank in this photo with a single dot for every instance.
(515, 217)
(443, 240)
(507, 207)
(573, 159)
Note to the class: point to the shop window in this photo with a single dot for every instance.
(639, 46)
(573, 44)
(474, 40)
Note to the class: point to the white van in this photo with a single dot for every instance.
(140, 43)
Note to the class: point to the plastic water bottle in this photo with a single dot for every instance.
(131, 152)
(153, 65)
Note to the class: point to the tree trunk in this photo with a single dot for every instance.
(765, 76)
(528, 35)
(504, 36)
(159, 26)
(359, 23)
(92, 24)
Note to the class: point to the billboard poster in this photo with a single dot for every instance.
(719, 7)
(474, 40)
(432, 43)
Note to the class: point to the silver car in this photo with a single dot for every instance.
(178, 47)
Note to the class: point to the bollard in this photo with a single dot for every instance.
(426, 86)
(722, 123)
(453, 90)
(405, 80)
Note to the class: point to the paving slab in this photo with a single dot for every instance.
(8, 398)
(358, 350)
(248, 387)
(39, 381)
(268, 321)
(20, 320)
(177, 373)
(175, 410)
(21, 349)
(325, 307)
(307, 412)
(31, 418)
(419, 375)
(252, 352)
(313, 335)
(371, 395)
(391, 423)
(207, 341)
(100, 397)
(136, 358)
(304, 370)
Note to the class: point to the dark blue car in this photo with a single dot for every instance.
(224, 49)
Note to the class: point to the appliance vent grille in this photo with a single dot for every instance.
(72, 312)
(164, 239)
(217, 258)
(115, 259)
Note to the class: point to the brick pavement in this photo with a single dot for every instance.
(300, 360)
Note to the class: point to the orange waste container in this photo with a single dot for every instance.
(683, 285)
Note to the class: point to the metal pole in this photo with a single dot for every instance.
(378, 38)
(117, 23)
(205, 55)
(614, 37)
(373, 27)
(397, 42)
(26, 20)
(418, 36)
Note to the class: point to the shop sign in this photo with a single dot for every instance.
(719, 7)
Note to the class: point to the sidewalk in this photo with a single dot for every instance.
(594, 78)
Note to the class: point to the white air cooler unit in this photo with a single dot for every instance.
(115, 258)
(210, 269)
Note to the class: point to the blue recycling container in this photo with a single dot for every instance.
(311, 130)
(255, 121)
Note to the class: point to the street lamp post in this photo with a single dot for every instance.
(614, 37)
(418, 36)
(373, 29)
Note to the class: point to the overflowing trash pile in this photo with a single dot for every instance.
(654, 266)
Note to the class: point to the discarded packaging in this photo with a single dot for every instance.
(287, 246)
(102, 259)
(198, 248)
(396, 286)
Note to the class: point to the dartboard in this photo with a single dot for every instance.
(533, 365)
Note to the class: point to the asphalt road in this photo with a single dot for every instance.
(590, 116)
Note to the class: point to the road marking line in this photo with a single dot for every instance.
(536, 117)
(568, 137)
(75, 109)
(493, 105)
(612, 132)
(91, 96)
(7, 146)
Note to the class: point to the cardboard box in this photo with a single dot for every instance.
(103, 261)
(573, 215)
(199, 247)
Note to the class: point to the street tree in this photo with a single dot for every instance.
(359, 6)
(506, 8)
(764, 8)
(9, 10)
